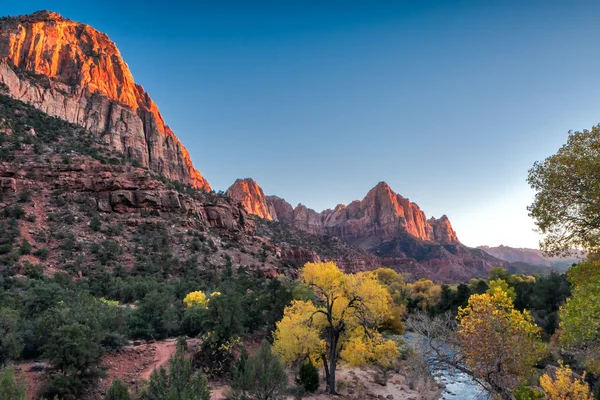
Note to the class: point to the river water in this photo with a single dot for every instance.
(458, 386)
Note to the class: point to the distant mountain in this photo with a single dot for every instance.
(532, 256)
(384, 223)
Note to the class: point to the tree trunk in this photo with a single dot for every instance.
(326, 368)
(332, 361)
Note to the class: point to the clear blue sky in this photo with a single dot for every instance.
(448, 102)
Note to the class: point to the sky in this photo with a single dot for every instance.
(449, 102)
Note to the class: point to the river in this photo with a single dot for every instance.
(458, 386)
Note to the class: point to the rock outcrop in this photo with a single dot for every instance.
(251, 196)
(70, 70)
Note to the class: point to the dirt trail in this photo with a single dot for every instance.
(162, 353)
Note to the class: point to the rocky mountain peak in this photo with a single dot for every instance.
(381, 215)
(253, 199)
(72, 71)
(45, 15)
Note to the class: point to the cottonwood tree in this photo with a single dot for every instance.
(497, 345)
(500, 344)
(342, 321)
(567, 184)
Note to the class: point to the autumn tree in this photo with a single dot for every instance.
(398, 290)
(194, 299)
(424, 294)
(500, 344)
(567, 184)
(564, 386)
(341, 322)
(580, 315)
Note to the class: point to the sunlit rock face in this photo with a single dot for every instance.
(72, 71)
(380, 216)
(251, 196)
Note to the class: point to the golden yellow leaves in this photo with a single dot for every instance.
(500, 343)
(297, 335)
(565, 385)
(346, 314)
(371, 348)
(195, 299)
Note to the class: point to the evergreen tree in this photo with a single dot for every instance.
(10, 387)
(181, 383)
(263, 377)
(309, 377)
(117, 391)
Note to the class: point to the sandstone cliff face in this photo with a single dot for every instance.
(70, 70)
(442, 230)
(251, 196)
(380, 216)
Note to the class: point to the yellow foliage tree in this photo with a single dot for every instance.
(425, 294)
(341, 322)
(565, 386)
(398, 289)
(501, 284)
(394, 282)
(195, 299)
(500, 344)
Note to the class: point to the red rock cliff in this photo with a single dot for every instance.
(72, 71)
(380, 216)
(251, 196)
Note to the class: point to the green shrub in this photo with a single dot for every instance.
(263, 378)
(154, 318)
(95, 224)
(117, 391)
(180, 383)
(25, 247)
(15, 211)
(11, 342)
(24, 196)
(193, 321)
(308, 377)
(42, 253)
(526, 393)
(65, 387)
(10, 387)
(72, 349)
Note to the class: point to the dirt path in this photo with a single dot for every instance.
(162, 353)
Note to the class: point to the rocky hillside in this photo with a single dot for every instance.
(532, 256)
(69, 202)
(70, 70)
(385, 224)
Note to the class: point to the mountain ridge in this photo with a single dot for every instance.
(381, 210)
(385, 224)
(532, 256)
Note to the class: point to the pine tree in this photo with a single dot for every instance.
(263, 377)
(117, 391)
